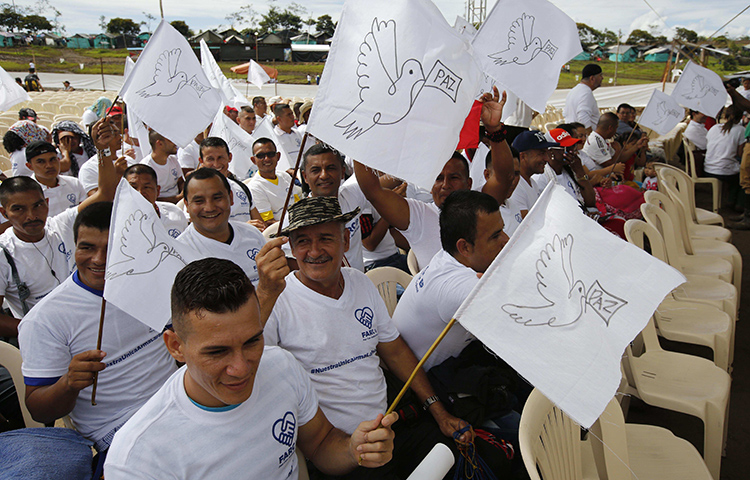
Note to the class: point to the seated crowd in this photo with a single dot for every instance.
(278, 341)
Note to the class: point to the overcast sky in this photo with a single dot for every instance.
(703, 16)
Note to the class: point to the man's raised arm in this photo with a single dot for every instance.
(390, 205)
(106, 137)
(501, 171)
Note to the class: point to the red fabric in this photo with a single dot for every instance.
(621, 200)
(710, 122)
(469, 137)
(616, 226)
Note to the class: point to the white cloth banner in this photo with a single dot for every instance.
(168, 90)
(523, 44)
(463, 27)
(11, 93)
(142, 259)
(256, 75)
(264, 129)
(136, 128)
(229, 95)
(700, 89)
(662, 113)
(551, 311)
(393, 70)
(240, 145)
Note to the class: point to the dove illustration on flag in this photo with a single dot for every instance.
(526, 39)
(662, 113)
(256, 75)
(142, 259)
(11, 93)
(549, 309)
(168, 90)
(700, 89)
(229, 94)
(240, 145)
(393, 69)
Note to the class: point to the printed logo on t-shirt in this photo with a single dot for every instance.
(353, 226)
(175, 174)
(173, 232)
(242, 197)
(283, 431)
(72, 198)
(252, 253)
(61, 248)
(420, 279)
(519, 218)
(365, 316)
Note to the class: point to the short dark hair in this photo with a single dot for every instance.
(204, 174)
(320, 149)
(608, 119)
(97, 215)
(18, 184)
(488, 158)
(264, 141)
(458, 156)
(257, 100)
(153, 137)
(458, 217)
(247, 109)
(13, 142)
(213, 142)
(624, 105)
(212, 284)
(140, 169)
(279, 107)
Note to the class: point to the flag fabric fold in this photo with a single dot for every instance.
(136, 128)
(229, 94)
(397, 86)
(168, 90)
(700, 89)
(240, 145)
(662, 113)
(256, 75)
(11, 93)
(549, 308)
(142, 259)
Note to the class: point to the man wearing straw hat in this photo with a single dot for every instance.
(334, 322)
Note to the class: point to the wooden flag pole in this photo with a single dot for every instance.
(98, 347)
(161, 9)
(291, 185)
(419, 365)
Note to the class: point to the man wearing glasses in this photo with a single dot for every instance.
(269, 186)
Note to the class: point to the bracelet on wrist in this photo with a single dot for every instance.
(498, 135)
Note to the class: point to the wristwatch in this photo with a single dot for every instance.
(427, 403)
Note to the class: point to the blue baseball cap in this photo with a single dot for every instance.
(532, 140)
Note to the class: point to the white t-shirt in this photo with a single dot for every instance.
(188, 157)
(423, 233)
(242, 205)
(89, 173)
(36, 262)
(65, 324)
(172, 438)
(525, 194)
(269, 196)
(564, 179)
(88, 117)
(336, 341)
(650, 183)
(351, 197)
(167, 174)
(696, 133)
(79, 158)
(511, 213)
(598, 149)
(721, 150)
(745, 93)
(68, 193)
(586, 161)
(581, 106)
(246, 243)
(18, 164)
(173, 219)
(289, 142)
(429, 303)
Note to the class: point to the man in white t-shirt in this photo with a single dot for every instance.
(246, 119)
(418, 221)
(234, 392)
(286, 133)
(597, 145)
(163, 160)
(188, 157)
(58, 339)
(533, 154)
(269, 186)
(208, 200)
(143, 179)
(564, 167)
(696, 131)
(261, 109)
(580, 104)
(334, 322)
(745, 89)
(41, 247)
(61, 192)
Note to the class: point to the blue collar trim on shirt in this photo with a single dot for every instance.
(225, 408)
(86, 287)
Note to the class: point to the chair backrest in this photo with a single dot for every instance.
(386, 279)
(667, 221)
(683, 185)
(270, 231)
(10, 358)
(675, 205)
(688, 147)
(637, 232)
(411, 262)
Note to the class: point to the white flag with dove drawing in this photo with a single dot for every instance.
(256, 75)
(168, 90)
(136, 128)
(700, 89)
(240, 145)
(525, 40)
(142, 259)
(229, 94)
(396, 89)
(662, 113)
(549, 309)
(11, 93)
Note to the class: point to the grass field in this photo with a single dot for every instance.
(112, 62)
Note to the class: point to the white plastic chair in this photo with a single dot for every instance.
(684, 321)
(700, 215)
(71, 109)
(685, 384)
(714, 182)
(386, 279)
(52, 107)
(411, 262)
(10, 358)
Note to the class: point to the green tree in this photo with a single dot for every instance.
(9, 17)
(686, 35)
(276, 19)
(35, 23)
(638, 36)
(182, 27)
(103, 23)
(609, 37)
(588, 35)
(126, 26)
(325, 24)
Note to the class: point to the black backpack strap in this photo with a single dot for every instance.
(23, 290)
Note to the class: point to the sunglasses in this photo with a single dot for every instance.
(262, 155)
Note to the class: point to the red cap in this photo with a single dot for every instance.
(230, 109)
(562, 137)
(114, 111)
